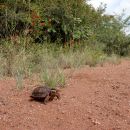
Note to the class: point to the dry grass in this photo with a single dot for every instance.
(48, 61)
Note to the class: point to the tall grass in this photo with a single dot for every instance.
(53, 77)
(2, 65)
(47, 61)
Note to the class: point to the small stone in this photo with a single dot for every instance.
(89, 118)
(57, 118)
(96, 122)
(63, 112)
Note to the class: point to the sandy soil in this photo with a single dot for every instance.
(94, 99)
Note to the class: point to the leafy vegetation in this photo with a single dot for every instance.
(46, 37)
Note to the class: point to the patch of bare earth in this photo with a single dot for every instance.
(94, 99)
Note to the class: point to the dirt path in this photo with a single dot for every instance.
(94, 99)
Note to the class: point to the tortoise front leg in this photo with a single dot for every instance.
(46, 99)
(58, 96)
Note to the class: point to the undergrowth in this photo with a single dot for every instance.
(48, 61)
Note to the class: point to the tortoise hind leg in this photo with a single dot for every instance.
(46, 99)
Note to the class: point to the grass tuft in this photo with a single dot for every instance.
(53, 78)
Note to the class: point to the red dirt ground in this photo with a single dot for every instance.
(94, 99)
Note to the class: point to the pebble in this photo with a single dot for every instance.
(96, 122)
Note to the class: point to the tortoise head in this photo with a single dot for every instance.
(55, 93)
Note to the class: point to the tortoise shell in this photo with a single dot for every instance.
(44, 93)
(40, 92)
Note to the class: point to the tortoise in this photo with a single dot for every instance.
(45, 94)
